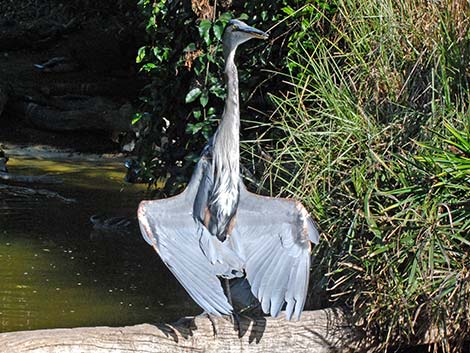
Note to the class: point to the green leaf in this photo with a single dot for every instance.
(218, 90)
(204, 98)
(264, 15)
(140, 55)
(193, 128)
(218, 30)
(193, 95)
(204, 28)
(225, 17)
(197, 114)
(288, 10)
(190, 47)
(151, 23)
(135, 118)
(149, 67)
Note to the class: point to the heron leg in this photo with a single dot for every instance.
(228, 291)
(234, 316)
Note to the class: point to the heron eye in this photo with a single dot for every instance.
(234, 27)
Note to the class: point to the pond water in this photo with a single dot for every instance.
(57, 271)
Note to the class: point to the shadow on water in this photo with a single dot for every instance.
(56, 271)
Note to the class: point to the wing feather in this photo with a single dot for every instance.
(267, 289)
(275, 287)
(169, 226)
(256, 271)
(275, 235)
(264, 275)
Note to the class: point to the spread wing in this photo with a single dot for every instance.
(169, 226)
(273, 235)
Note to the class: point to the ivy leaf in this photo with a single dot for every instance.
(218, 30)
(218, 90)
(149, 67)
(197, 114)
(151, 23)
(204, 98)
(136, 117)
(225, 17)
(140, 55)
(190, 47)
(204, 28)
(264, 15)
(193, 128)
(193, 95)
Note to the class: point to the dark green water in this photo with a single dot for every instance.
(55, 271)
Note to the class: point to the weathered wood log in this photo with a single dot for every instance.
(318, 331)
(20, 191)
(29, 179)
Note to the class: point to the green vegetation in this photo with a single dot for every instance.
(370, 129)
(375, 139)
(188, 90)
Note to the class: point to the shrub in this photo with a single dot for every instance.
(374, 139)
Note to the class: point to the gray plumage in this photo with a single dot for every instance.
(217, 229)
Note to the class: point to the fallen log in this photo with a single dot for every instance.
(29, 179)
(20, 191)
(318, 331)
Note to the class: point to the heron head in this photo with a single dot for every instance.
(238, 32)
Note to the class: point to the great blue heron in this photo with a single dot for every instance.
(217, 229)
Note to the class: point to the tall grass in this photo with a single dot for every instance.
(374, 138)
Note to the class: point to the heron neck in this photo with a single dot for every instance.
(231, 115)
(226, 150)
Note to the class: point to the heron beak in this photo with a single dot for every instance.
(255, 33)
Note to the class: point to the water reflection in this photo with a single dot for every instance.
(57, 270)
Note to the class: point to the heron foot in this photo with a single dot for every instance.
(234, 318)
(205, 314)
